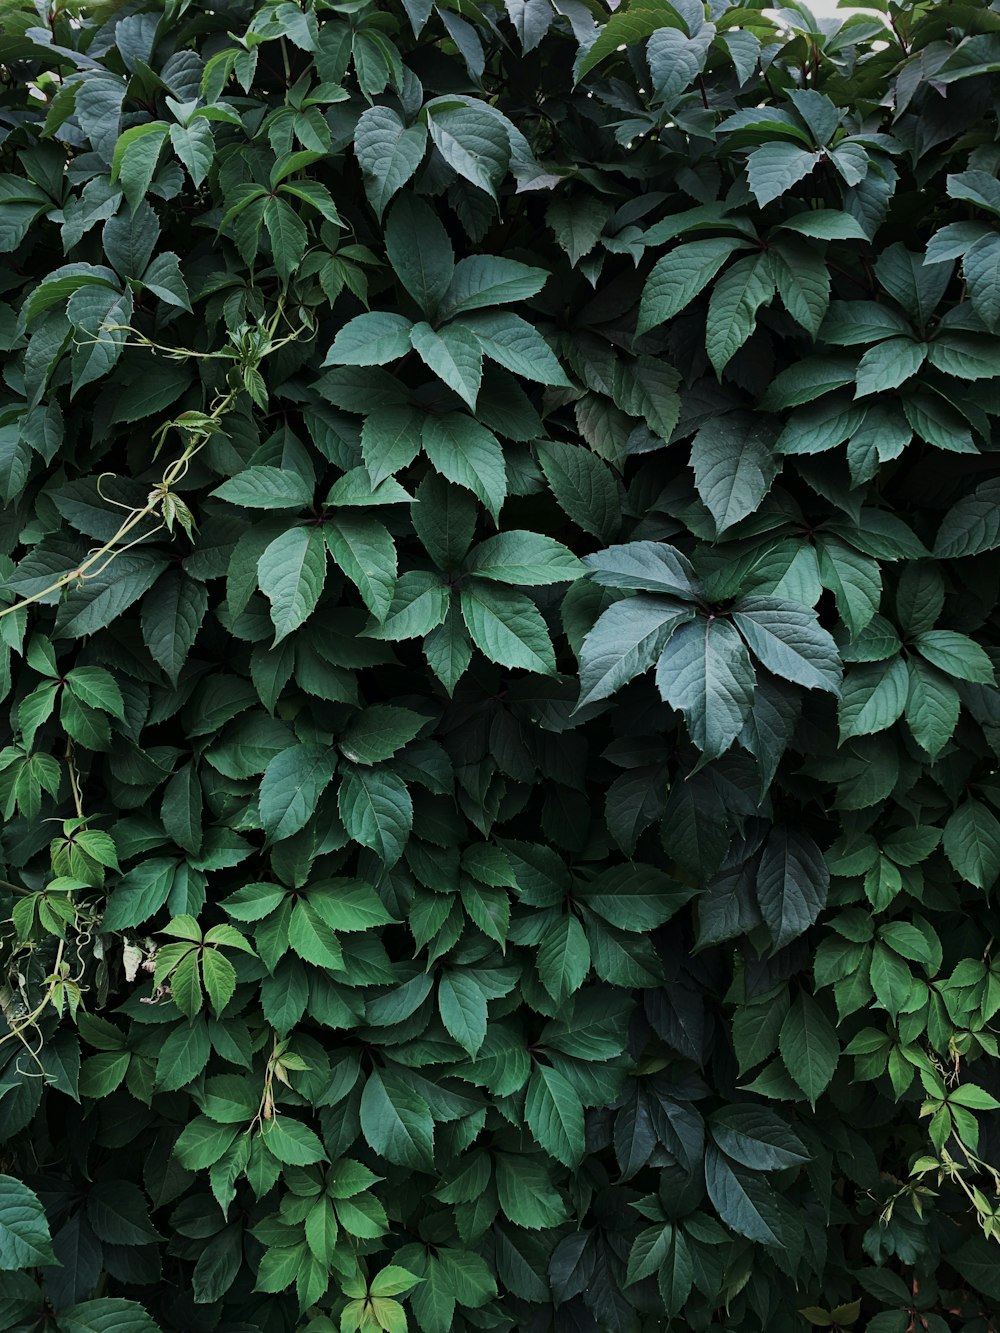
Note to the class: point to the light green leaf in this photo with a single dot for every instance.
(705, 672)
(733, 306)
(377, 811)
(454, 355)
(291, 573)
(388, 152)
(396, 1122)
(507, 627)
(809, 1047)
(362, 547)
(554, 1115)
(372, 339)
(462, 1006)
(733, 466)
(972, 843)
(468, 454)
(679, 276)
(789, 641)
(526, 558)
(24, 1229)
(292, 784)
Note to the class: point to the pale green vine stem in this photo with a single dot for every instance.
(158, 497)
(199, 428)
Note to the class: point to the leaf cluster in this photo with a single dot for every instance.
(498, 630)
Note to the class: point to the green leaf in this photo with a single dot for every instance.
(955, 654)
(481, 282)
(625, 642)
(651, 566)
(792, 885)
(471, 140)
(554, 1115)
(377, 811)
(139, 894)
(372, 339)
(626, 28)
(390, 440)
(290, 789)
(854, 579)
(507, 627)
(107, 594)
(97, 688)
(420, 252)
(972, 525)
(563, 958)
(809, 1047)
(757, 1138)
(803, 282)
(743, 1200)
(515, 344)
(135, 156)
(525, 558)
(773, 169)
(291, 1142)
(888, 365)
(825, 224)
(24, 1230)
(462, 1006)
(288, 236)
(312, 939)
(378, 732)
(388, 153)
(577, 223)
(291, 573)
(396, 1122)
(789, 641)
(526, 1193)
(110, 1314)
(454, 355)
(972, 843)
(584, 487)
(362, 547)
(183, 1056)
(733, 467)
(466, 453)
(194, 145)
(733, 306)
(679, 276)
(705, 672)
(932, 707)
(873, 696)
(172, 614)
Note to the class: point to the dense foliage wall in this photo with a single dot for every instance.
(499, 609)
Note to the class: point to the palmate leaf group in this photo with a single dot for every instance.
(498, 630)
